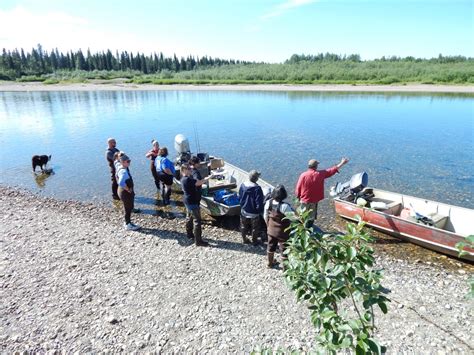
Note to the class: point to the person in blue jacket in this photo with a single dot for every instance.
(251, 207)
(165, 170)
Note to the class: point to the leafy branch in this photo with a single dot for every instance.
(326, 269)
(461, 246)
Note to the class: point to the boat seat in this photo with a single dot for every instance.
(225, 185)
(216, 163)
(438, 220)
(393, 207)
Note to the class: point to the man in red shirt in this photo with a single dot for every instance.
(310, 186)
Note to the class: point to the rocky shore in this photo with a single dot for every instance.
(73, 280)
(121, 84)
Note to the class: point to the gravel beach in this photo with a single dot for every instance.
(121, 85)
(73, 280)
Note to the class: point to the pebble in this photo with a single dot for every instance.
(101, 290)
(112, 320)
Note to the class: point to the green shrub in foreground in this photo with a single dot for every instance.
(326, 269)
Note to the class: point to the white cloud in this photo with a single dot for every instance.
(282, 8)
(21, 28)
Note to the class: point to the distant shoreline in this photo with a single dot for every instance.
(111, 86)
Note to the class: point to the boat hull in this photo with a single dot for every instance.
(429, 237)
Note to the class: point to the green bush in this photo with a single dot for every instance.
(51, 81)
(324, 270)
(30, 78)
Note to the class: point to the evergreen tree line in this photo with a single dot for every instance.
(331, 57)
(75, 66)
(39, 61)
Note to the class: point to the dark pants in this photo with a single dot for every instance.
(314, 212)
(128, 200)
(114, 182)
(273, 243)
(193, 224)
(166, 185)
(155, 174)
(250, 226)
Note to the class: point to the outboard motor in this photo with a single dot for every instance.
(351, 189)
(181, 144)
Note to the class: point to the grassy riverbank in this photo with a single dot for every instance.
(364, 73)
(324, 68)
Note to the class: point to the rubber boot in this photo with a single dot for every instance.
(271, 260)
(198, 237)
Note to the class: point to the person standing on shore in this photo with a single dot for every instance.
(192, 198)
(152, 154)
(310, 187)
(194, 163)
(165, 170)
(251, 207)
(109, 156)
(125, 190)
(274, 214)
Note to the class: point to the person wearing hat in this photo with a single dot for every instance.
(109, 156)
(125, 190)
(192, 199)
(152, 154)
(310, 186)
(251, 207)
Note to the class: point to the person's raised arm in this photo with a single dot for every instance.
(343, 162)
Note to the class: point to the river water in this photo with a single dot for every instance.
(416, 144)
(419, 145)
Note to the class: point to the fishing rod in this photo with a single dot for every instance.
(196, 137)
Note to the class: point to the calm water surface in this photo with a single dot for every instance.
(420, 145)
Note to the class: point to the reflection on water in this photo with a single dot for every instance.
(41, 178)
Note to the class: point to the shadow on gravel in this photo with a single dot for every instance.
(238, 247)
(184, 241)
(181, 238)
(156, 201)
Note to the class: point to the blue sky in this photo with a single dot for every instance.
(261, 30)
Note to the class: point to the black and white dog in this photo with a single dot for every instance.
(40, 160)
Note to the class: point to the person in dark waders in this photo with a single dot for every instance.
(165, 170)
(152, 154)
(192, 198)
(125, 191)
(251, 207)
(109, 156)
(274, 215)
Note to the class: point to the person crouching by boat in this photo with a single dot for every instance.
(125, 190)
(165, 169)
(152, 154)
(192, 199)
(310, 187)
(109, 156)
(274, 215)
(251, 207)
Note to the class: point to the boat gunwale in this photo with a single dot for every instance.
(337, 199)
(443, 248)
